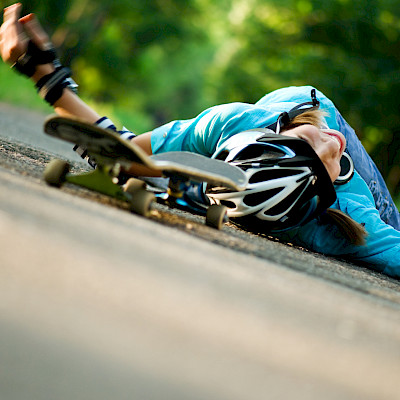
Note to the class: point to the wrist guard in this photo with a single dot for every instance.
(27, 63)
(51, 86)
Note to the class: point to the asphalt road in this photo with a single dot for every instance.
(97, 303)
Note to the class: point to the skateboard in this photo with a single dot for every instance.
(112, 154)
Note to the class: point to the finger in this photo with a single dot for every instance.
(35, 31)
(26, 18)
(13, 39)
(11, 27)
(12, 13)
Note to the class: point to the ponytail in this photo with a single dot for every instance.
(351, 230)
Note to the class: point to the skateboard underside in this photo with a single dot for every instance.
(104, 180)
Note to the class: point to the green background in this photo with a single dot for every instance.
(149, 62)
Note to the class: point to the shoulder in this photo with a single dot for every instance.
(232, 118)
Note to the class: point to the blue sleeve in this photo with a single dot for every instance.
(202, 134)
(221, 123)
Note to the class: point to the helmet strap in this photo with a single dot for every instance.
(286, 117)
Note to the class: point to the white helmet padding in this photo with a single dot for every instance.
(287, 182)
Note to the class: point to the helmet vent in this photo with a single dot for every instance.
(272, 173)
(254, 199)
(288, 202)
(227, 203)
(257, 152)
(223, 155)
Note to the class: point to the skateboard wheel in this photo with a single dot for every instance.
(216, 215)
(141, 202)
(133, 185)
(55, 172)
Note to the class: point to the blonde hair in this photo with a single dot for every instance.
(311, 117)
(351, 230)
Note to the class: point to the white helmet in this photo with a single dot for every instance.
(287, 182)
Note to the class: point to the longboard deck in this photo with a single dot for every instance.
(107, 148)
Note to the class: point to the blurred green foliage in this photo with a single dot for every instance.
(167, 59)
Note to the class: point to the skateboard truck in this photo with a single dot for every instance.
(102, 180)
